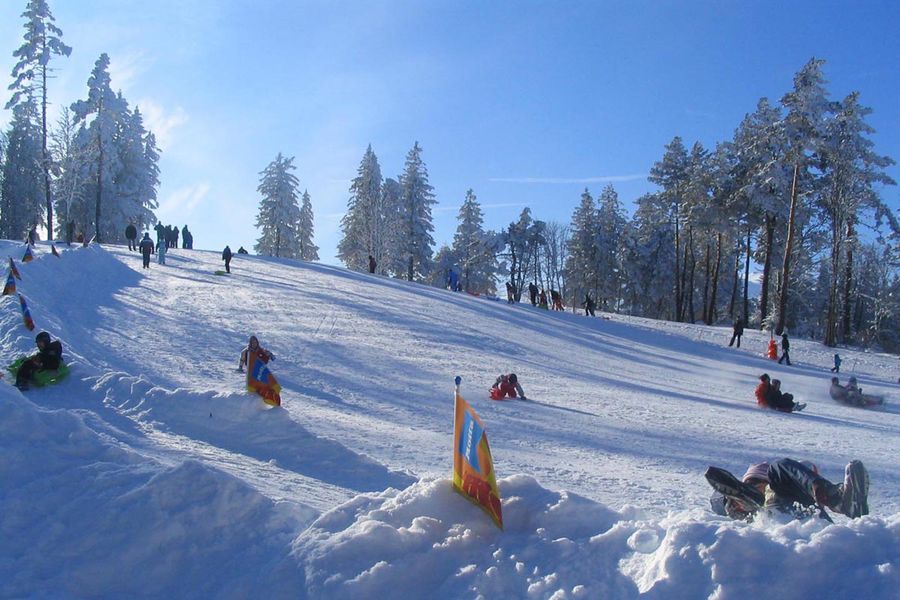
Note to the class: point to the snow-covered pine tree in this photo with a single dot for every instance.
(416, 199)
(363, 223)
(392, 258)
(671, 174)
(133, 197)
(100, 136)
(808, 108)
(22, 191)
(476, 258)
(582, 263)
(30, 74)
(649, 263)
(279, 212)
(305, 234)
(611, 223)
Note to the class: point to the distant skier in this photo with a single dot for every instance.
(48, 358)
(507, 385)
(791, 487)
(533, 292)
(372, 263)
(837, 364)
(146, 247)
(226, 256)
(785, 348)
(736, 332)
(131, 236)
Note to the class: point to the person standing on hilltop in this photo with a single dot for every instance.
(785, 347)
(226, 256)
(131, 236)
(146, 247)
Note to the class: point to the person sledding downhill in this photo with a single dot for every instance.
(769, 395)
(259, 378)
(791, 487)
(507, 386)
(42, 368)
(851, 394)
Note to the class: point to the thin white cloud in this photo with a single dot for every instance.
(184, 200)
(125, 68)
(556, 180)
(160, 122)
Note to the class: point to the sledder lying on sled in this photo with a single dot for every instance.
(790, 487)
(44, 368)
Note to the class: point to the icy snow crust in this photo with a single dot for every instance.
(151, 473)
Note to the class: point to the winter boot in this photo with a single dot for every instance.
(855, 496)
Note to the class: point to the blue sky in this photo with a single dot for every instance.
(527, 103)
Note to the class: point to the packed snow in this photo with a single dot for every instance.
(151, 472)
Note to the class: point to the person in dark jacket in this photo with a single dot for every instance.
(588, 305)
(785, 347)
(533, 293)
(557, 300)
(174, 236)
(241, 250)
(737, 332)
(146, 247)
(782, 401)
(131, 236)
(48, 358)
(372, 264)
(187, 238)
(226, 256)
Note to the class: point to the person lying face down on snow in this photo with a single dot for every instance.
(507, 385)
(254, 349)
(791, 487)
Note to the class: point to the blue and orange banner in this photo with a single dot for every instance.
(261, 380)
(10, 288)
(28, 255)
(13, 269)
(26, 314)
(473, 467)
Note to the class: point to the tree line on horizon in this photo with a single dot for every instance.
(796, 190)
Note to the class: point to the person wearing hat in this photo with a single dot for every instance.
(793, 487)
(837, 391)
(253, 348)
(762, 391)
(146, 248)
(48, 358)
(507, 385)
(780, 400)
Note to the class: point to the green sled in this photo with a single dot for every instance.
(41, 378)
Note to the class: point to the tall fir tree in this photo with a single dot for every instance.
(416, 200)
(30, 74)
(100, 137)
(305, 233)
(279, 212)
(611, 223)
(582, 265)
(472, 248)
(21, 191)
(363, 223)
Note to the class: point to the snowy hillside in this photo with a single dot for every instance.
(151, 472)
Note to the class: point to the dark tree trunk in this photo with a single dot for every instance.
(746, 311)
(848, 280)
(689, 250)
(715, 283)
(767, 268)
(788, 249)
(706, 266)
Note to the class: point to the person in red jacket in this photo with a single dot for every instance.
(507, 385)
(762, 391)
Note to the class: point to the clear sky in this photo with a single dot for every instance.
(525, 102)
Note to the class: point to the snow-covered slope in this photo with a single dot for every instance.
(151, 472)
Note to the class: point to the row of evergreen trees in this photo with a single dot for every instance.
(95, 172)
(789, 192)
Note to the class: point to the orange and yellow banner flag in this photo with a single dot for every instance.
(13, 269)
(473, 467)
(28, 255)
(26, 314)
(10, 288)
